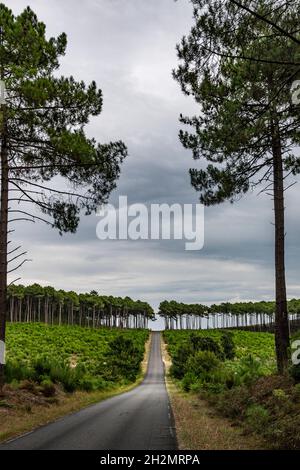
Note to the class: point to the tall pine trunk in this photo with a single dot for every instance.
(282, 333)
(3, 238)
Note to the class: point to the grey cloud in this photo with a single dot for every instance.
(128, 47)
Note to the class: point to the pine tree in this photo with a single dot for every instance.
(44, 148)
(276, 6)
(240, 72)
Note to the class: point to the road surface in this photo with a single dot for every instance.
(139, 419)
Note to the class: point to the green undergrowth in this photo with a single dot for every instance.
(236, 372)
(74, 357)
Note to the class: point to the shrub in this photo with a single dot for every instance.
(212, 387)
(221, 379)
(179, 362)
(67, 376)
(257, 417)
(17, 371)
(202, 363)
(205, 343)
(15, 385)
(248, 370)
(59, 372)
(228, 345)
(217, 381)
(188, 381)
(285, 432)
(90, 384)
(183, 356)
(42, 367)
(279, 394)
(87, 384)
(232, 403)
(123, 359)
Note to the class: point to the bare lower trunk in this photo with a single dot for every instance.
(3, 245)
(282, 334)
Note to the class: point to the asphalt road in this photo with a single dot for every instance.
(139, 419)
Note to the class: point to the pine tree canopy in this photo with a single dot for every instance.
(240, 70)
(43, 126)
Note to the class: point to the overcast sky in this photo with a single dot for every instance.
(128, 47)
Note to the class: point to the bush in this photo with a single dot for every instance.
(202, 363)
(228, 345)
(67, 376)
(17, 371)
(90, 384)
(232, 403)
(42, 367)
(248, 370)
(205, 372)
(58, 372)
(15, 385)
(188, 381)
(280, 394)
(123, 359)
(257, 417)
(205, 343)
(285, 432)
(189, 349)
(179, 361)
(220, 380)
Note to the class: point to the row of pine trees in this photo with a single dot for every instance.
(226, 315)
(58, 307)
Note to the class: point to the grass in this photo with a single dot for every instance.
(199, 428)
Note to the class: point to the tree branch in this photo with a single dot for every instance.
(266, 20)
